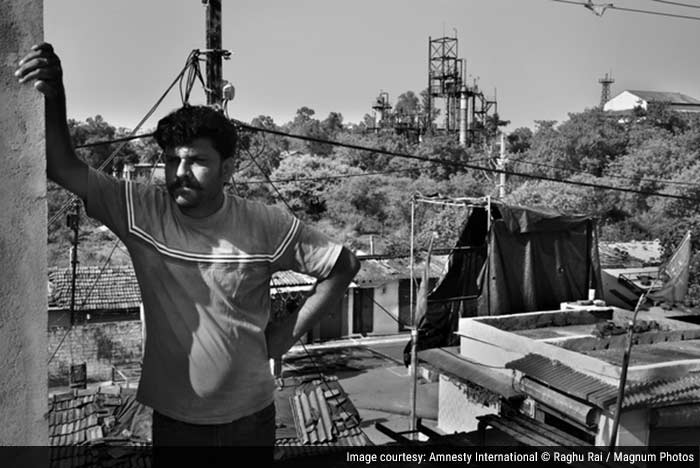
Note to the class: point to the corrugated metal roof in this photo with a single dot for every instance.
(667, 97)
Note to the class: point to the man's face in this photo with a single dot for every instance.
(195, 174)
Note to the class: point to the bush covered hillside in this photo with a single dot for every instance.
(353, 195)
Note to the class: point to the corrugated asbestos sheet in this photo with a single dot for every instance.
(653, 394)
(565, 379)
(661, 393)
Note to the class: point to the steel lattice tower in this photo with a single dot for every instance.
(605, 91)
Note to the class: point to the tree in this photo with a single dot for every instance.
(94, 129)
(302, 184)
(332, 125)
(407, 104)
(519, 140)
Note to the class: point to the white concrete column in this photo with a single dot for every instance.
(24, 284)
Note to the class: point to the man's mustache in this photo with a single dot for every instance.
(183, 183)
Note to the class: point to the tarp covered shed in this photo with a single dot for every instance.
(510, 259)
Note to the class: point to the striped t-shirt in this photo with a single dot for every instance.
(206, 294)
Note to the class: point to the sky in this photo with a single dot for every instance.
(541, 58)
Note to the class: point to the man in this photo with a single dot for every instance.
(203, 260)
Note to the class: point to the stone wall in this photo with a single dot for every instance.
(100, 345)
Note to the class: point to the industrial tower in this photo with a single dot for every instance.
(605, 82)
(463, 108)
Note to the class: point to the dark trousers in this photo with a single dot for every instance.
(256, 430)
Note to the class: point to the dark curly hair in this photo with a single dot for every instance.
(188, 123)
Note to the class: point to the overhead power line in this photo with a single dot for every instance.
(339, 176)
(687, 5)
(599, 9)
(114, 140)
(632, 179)
(178, 79)
(464, 165)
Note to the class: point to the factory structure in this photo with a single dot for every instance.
(453, 105)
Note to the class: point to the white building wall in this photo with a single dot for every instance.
(456, 412)
(624, 101)
(386, 297)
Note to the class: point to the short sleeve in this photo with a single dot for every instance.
(309, 252)
(106, 201)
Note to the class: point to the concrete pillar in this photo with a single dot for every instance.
(23, 288)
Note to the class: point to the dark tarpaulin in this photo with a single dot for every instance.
(532, 259)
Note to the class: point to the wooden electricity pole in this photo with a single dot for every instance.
(214, 52)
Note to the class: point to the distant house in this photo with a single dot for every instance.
(142, 172)
(630, 99)
(382, 292)
(101, 295)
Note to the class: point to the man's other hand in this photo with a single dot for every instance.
(43, 67)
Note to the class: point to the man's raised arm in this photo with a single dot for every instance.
(43, 67)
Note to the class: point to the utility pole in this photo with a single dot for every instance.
(502, 161)
(77, 378)
(73, 222)
(214, 52)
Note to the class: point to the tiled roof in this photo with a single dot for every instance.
(117, 287)
(668, 97)
(87, 416)
(287, 279)
(111, 289)
(322, 416)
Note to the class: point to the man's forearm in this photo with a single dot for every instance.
(62, 164)
(327, 294)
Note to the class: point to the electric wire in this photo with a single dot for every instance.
(668, 2)
(631, 179)
(466, 165)
(99, 275)
(151, 111)
(114, 140)
(610, 6)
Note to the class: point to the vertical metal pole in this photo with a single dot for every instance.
(411, 292)
(214, 55)
(74, 224)
(502, 166)
(429, 110)
(623, 372)
(414, 379)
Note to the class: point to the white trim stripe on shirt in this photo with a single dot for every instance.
(199, 257)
